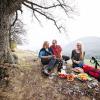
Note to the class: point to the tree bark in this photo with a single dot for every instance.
(5, 54)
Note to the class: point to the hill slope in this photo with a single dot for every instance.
(91, 46)
(30, 84)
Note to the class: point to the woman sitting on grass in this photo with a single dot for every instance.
(47, 57)
(45, 53)
(77, 55)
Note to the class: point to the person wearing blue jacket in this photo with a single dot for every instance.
(45, 53)
(47, 57)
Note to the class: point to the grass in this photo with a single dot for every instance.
(87, 62)
(25, 58)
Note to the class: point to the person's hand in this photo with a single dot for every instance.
(54, 56)
(77, 62)
(50, 56)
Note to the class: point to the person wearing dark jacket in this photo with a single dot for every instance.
(77, 55)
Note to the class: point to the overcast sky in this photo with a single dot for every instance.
(86, 23)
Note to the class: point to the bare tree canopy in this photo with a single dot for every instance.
(39, 7)
(45, 8)
(17, 32)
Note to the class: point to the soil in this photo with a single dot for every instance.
(26, 82)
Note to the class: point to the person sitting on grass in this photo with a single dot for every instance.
(46, 53)
(57, 51)
(47, 57)
(77, 56)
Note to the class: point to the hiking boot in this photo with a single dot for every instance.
(46, 72)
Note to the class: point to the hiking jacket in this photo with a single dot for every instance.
(43, 52)
(56, 50)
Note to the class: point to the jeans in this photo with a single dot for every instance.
(78, 65)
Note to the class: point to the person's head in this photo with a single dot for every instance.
(46, 44)
(79, 46)
(54, 42)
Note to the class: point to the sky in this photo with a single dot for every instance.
(85, 23)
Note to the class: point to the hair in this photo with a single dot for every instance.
(54, 41)
(81, 50)
(45, 44)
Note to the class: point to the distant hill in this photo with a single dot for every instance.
(91, 46)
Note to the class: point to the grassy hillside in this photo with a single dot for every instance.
(26, 82)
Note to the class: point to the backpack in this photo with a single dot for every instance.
(60, 64)
(92, 71)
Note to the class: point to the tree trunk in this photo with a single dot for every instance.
(5, 54)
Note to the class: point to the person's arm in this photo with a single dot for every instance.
(51, 51)
(83, 55)
(60, 50)
(72, 57)
(42, 55)
(72, 54)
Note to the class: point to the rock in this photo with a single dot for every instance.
(6, 64)
(15, 58)
(93, 84)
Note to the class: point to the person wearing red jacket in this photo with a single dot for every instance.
(57, 52)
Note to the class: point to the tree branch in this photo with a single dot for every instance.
(53, 6)
(16, 18)
(44, 10)
(65, 9)
(35, 14)
(43, 13)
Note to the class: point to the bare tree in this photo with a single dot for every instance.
(17, 32)
(39, 7)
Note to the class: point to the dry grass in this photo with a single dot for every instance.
(28, 83)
